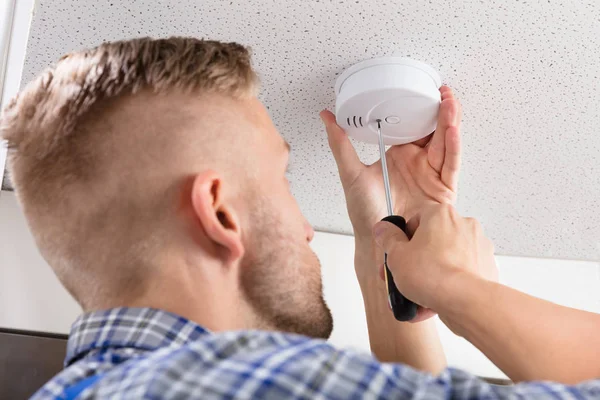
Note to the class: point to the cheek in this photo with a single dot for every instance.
(288, 210)
(278, 212)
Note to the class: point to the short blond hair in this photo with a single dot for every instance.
(47, 138)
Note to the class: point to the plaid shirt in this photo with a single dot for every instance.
(147, 353)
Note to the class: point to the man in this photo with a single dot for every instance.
(154, 184)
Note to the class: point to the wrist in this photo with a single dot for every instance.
(461, 297)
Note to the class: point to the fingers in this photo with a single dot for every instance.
(424, 142)
(449, 115)
(451, 167)
(388, 236)
(445, 93)
(412, 225)
(348, 163)
(422, 315)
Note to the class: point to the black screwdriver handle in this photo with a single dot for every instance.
(403, 308)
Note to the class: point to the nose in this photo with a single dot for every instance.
(310, 232)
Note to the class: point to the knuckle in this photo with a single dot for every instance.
(473, 224)
(396, 237)
(389, 241)
(445, 207)
(452, 105)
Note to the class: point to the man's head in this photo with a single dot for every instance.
(150, 175)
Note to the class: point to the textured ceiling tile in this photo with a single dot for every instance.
(527, 73)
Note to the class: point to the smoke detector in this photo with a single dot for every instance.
(402, 93)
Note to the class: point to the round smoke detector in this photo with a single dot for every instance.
(402, 93)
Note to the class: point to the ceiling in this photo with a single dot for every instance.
(526, 72)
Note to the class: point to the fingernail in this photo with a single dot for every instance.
(322, 119)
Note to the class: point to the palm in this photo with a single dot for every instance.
(413, 182)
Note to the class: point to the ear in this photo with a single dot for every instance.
(218, 218)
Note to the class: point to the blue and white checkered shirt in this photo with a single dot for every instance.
(147, 353)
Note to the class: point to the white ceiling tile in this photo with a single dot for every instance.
(527, 73)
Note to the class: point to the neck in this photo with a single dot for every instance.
(212, 300)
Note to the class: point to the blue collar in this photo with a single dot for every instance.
(139, 328)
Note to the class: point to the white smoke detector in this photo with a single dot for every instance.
(402, 93)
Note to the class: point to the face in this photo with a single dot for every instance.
(280, 274)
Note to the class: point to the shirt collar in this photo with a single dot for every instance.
(139, 328)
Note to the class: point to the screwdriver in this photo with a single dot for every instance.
(403, 308)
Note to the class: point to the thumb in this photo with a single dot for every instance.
(348, 163)
(388, 236)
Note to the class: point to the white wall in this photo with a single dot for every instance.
(30, 295)
(6, 18)
(32, 298)
(14, 42)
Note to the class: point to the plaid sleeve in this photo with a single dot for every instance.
(257, 365)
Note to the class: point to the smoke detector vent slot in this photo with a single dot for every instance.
(354, 121)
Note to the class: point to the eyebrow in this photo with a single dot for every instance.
(287, 146)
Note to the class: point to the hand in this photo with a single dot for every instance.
(444, 245)
(420, 172)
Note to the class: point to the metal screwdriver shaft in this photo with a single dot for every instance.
(386, 178)
(403, 308)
